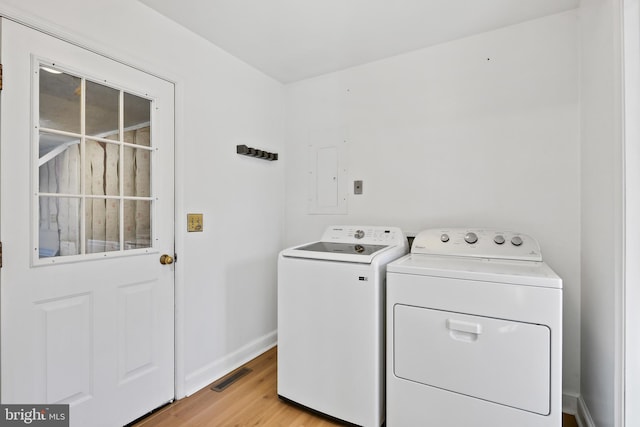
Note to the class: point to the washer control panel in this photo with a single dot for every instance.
(475, 242)
(365, 235)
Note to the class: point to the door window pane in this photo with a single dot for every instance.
(102, 225)
(59, 225)
(59, 100)
(137, 171)
(59, 170)
(137, 114)
(49, 144)
(137, 218)
(101, 173)
(102, 110)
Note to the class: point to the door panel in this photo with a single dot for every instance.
(66, 320)
(86, 307)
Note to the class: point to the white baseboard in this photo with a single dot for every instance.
(583, 416)
(570, 403)
(204, 376)
(575, 405)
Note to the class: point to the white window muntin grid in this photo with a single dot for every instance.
(37, 63)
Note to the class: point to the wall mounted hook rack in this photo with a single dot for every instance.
(254, 152)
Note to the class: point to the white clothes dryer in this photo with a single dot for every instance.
(474, 332)
(331, 322)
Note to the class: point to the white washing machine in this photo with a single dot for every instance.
(331, 322)
(474, 332)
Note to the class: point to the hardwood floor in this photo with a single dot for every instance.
(251, 401)
(569, 421)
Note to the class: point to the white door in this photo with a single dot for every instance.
(86, 205)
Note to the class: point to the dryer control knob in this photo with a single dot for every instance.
(359, 234)
(444, 238)
(471, 238)
(499, 239)
(516, 241)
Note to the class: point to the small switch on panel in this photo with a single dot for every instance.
(357, 187)
(194, 222)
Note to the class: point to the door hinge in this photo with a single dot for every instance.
(0, 254)
(0, 80)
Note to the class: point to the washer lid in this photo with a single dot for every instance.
(352, 243)
(332, 251)
(341, 248)
(513, 272)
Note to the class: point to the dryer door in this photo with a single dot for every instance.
(497, 360)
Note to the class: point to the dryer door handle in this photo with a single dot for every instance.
(462, 326)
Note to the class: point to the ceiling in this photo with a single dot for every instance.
(292, 40)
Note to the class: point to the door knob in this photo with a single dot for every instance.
(166, 259)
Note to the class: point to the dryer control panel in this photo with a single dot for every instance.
(477, 242)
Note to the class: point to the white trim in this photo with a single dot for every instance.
(209, 373)
(570, 403)
(628, 375)
(575, 405)
(583, 417)
(179, 242)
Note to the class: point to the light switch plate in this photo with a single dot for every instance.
(194, 222)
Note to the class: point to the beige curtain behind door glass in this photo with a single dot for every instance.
(62, 214)
(61, 175)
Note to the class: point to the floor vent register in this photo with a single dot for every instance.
(230, 379)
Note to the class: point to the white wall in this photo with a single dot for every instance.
(226, 275)
(601, 214)
(483, 131)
